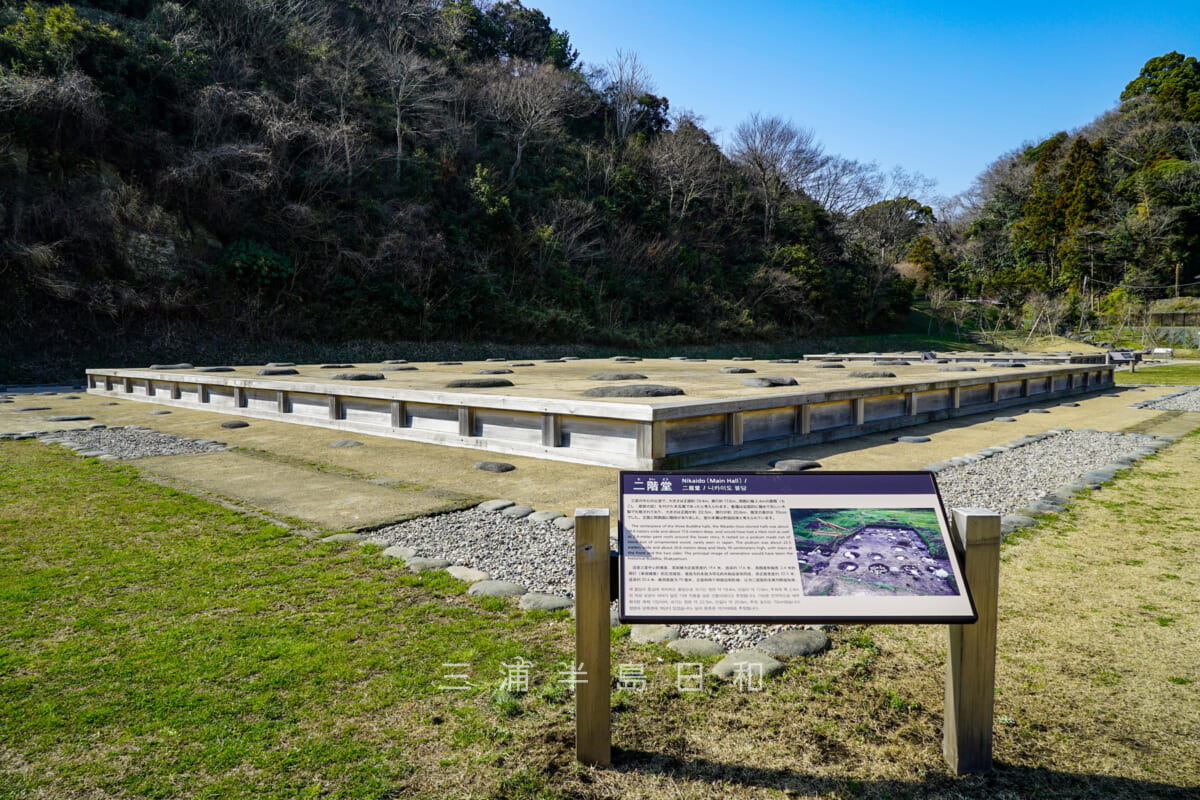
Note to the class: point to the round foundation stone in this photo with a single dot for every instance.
(769, 381)
(479, 383)
(617, 376)
(634, 390)
(358, 376)
(795, 465)
(494, 466)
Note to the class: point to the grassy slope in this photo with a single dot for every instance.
(1165, 375)
(156, 645)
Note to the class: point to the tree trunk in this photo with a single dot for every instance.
(512, 171)
(399, 140)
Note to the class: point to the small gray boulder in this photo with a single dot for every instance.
(729, 666)
(790, 644)
(696, 648)
(543, 602)
(653, 634)
(496, 589)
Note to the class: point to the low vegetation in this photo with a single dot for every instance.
(1163, 374)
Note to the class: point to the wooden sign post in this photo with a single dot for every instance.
(970, 663)
(593, 714)
(971, 656)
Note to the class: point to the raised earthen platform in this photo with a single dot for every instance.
(967, 357)
(546, 414)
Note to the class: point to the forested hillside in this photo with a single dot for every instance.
(1093, 222)
(177, 174)
(400, 170)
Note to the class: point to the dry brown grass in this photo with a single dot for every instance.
(1098, 683)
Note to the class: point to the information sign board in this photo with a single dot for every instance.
(723, 547)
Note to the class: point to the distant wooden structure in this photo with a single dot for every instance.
(1175, 319)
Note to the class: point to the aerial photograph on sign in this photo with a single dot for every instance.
(871, 551)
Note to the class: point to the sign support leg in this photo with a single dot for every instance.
(593, 714)
(971, 656)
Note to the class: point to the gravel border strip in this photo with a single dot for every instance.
(120, 443)
(498, 538)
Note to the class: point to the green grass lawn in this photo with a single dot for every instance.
(1166, 374)
(157, 645)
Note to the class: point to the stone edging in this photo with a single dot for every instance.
(1157, 400)
(770, 654)
(1056, 501)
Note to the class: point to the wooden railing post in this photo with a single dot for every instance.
(971, 657)
(593, 715)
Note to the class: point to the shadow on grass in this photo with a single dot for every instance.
(1005, 781)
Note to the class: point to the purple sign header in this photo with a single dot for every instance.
(776, 483)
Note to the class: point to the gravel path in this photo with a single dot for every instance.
(132, 442)
(541, 557)
(536, 555)
(1186, 400)
(1014, 478)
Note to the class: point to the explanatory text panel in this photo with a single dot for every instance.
(805, 547)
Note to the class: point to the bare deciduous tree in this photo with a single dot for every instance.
(626, 82)
(939, 301)
(529, 101)
(409, 22)
(415, 86)
(778, 157)
(843, 186)
(688, 163)
(1046, 310)
(343, 74)
(575, 224)
(902, 183)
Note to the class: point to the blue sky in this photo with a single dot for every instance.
(943, 89)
